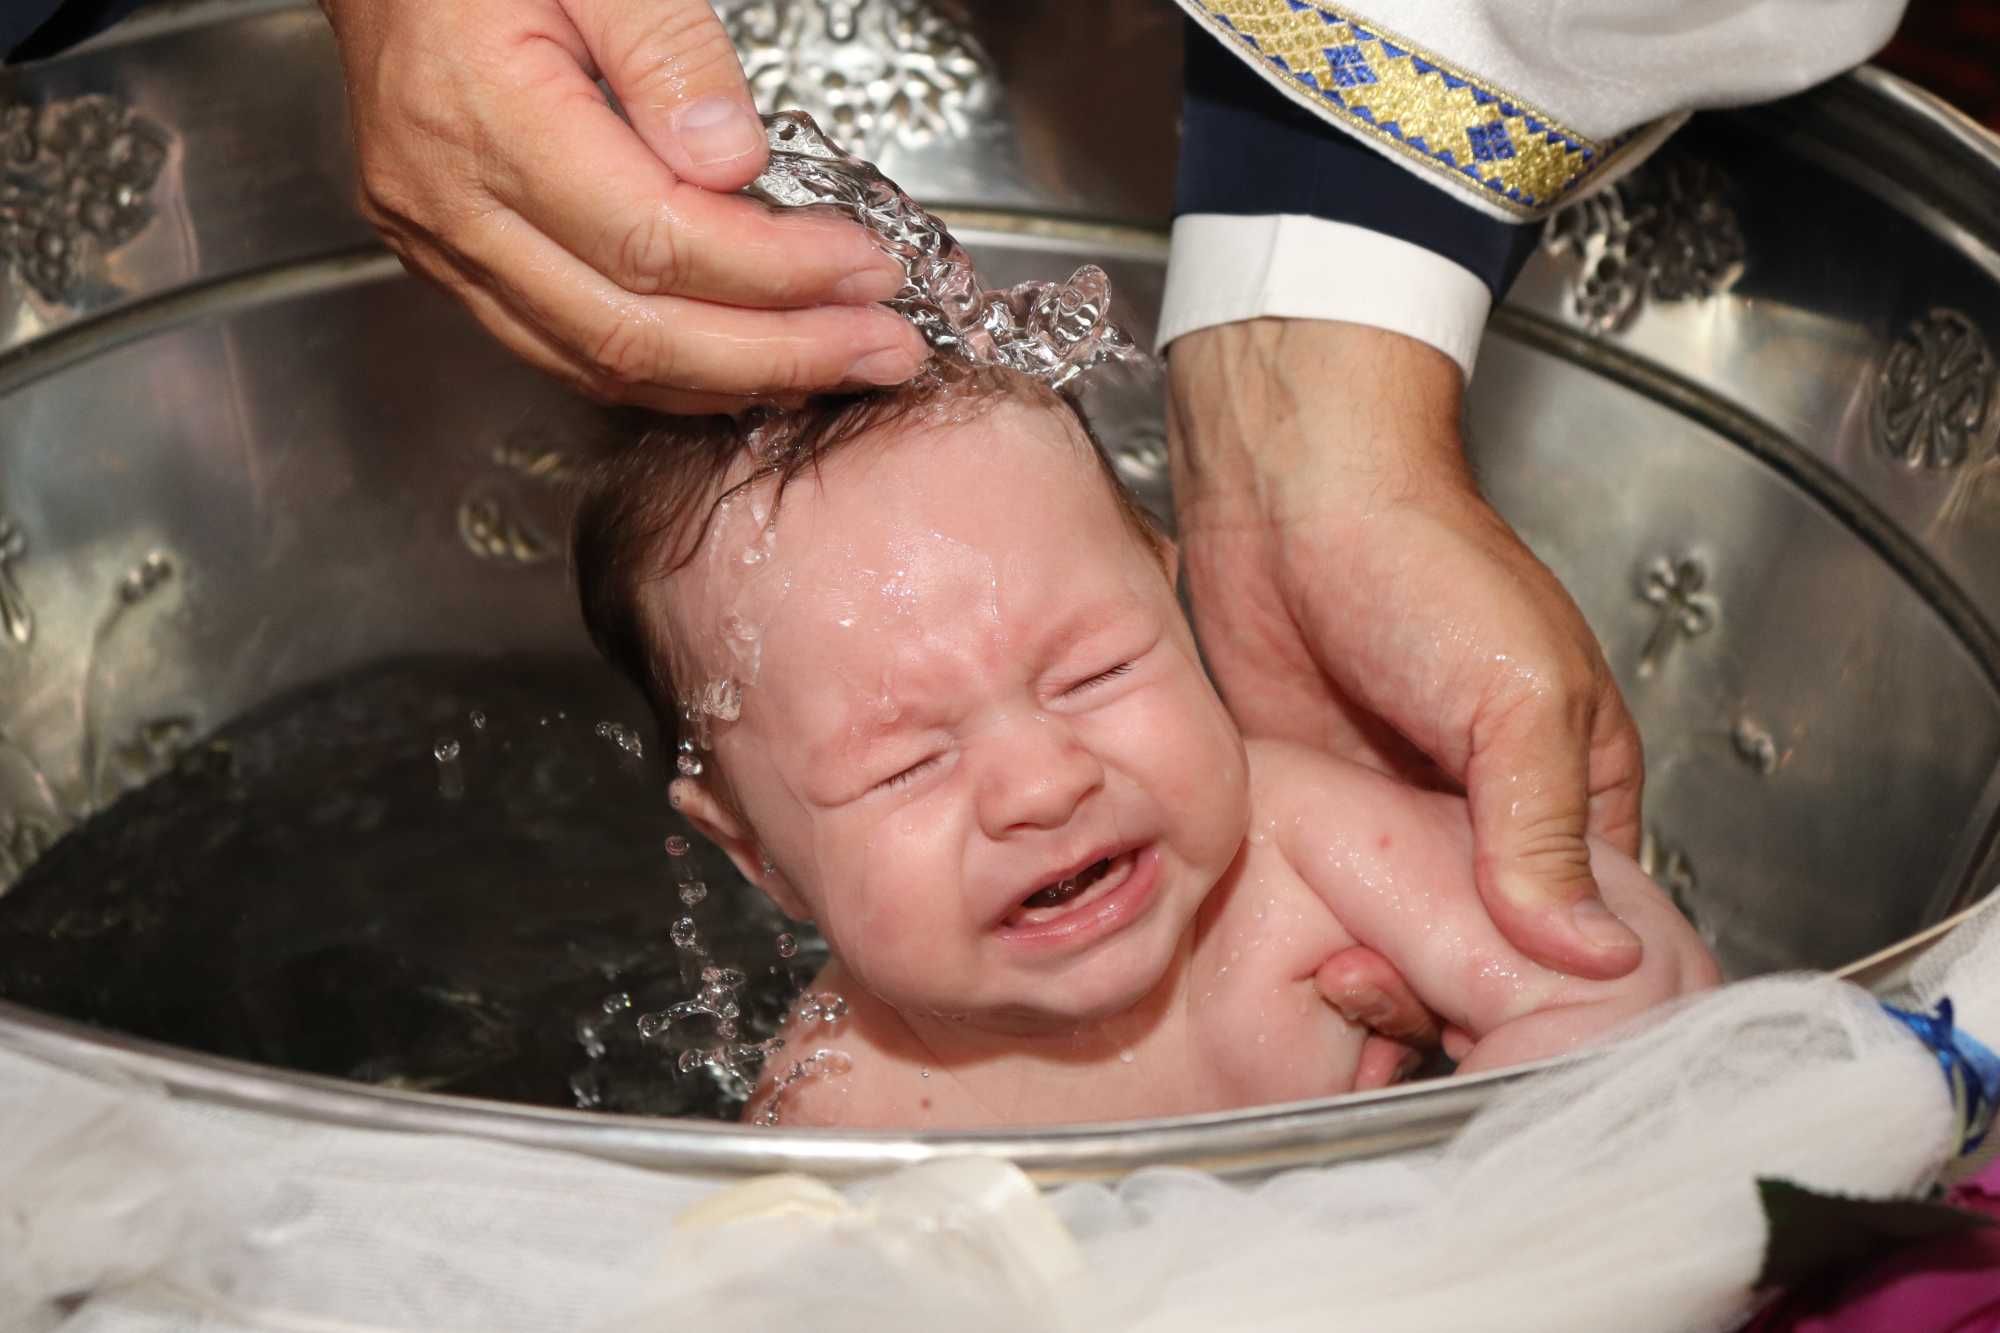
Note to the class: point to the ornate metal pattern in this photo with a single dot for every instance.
(871, 72)
(489, 519)
(17, 618)
(1934, 396)
(1670, 868)
(74, 180)
(1664, 233)
(1140, 457)
(149, 751)
(23, 839)
(1674, 587)
(491, 532)
(1755, 745)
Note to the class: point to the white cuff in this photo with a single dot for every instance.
(1224, 268)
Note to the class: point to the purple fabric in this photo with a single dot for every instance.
(1948, 1286)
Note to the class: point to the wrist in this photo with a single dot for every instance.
(1290, 419)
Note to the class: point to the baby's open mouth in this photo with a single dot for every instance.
(1093, 881)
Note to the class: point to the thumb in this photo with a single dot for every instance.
(1527, 783)
(674, 71)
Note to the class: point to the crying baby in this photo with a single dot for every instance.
(955, 717)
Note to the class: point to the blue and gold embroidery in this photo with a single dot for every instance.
(1509, 154)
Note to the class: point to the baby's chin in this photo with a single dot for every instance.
(1059, 1006)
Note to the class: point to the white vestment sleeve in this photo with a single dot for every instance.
(1227, 268)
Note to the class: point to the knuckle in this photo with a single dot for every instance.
(680, 45)
(650, 255)
(1550, 845)
(632, 353)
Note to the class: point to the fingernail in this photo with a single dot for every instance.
(876, 283)
(888, 366)
(717, 129)
(1594, 921)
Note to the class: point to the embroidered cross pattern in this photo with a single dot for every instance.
(1349, 66)
(1490, 142)
(1485, 142)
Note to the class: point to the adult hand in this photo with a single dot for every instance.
(1352, 589)
(609, 253)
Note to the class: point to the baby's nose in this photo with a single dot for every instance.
(1036, 775)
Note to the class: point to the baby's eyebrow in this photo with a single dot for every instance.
(1066, 633)
(855, 737)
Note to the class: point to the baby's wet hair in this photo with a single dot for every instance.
(641, 513)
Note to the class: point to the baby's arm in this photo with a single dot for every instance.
(1394, 865)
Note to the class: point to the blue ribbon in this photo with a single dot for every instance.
(1971, 1069)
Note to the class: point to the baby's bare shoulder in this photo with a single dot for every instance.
(863, 1070)
(1286, 770)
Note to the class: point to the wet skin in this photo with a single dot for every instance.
(981, 753)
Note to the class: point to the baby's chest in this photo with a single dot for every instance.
(1259, 1018)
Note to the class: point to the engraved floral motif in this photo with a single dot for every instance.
(491, 531)
(23, 839)
(1670, 868)
(492, 521)
(1756, 746)
(17, 618)
(149, 751)
(871, 72)
(1934, 394)
(74, 179)
(1673, 586)
(1662, 234)
(1140, 456)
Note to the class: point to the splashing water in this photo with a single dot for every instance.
(822, 1063)
(1053, 331)
(820, 1007)
(624, 737)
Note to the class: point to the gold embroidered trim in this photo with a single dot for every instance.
(1507, 153)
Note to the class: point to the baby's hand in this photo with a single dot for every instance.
(1368, 990)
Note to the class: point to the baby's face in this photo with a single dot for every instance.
(979, 745)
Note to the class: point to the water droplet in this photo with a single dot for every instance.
(1126, 1057)
(687, 765)
(445, 750)
(722, 699)
(653, 1024)
(478, 720)
(923, 1073)
(693, 892)
(617, 1003)
(677, 845)
(787, 946)
(684, 933)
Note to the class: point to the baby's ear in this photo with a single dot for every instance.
(714, 820)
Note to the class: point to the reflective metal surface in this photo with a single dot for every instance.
(1745, 406)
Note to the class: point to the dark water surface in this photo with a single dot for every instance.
(312, 888)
